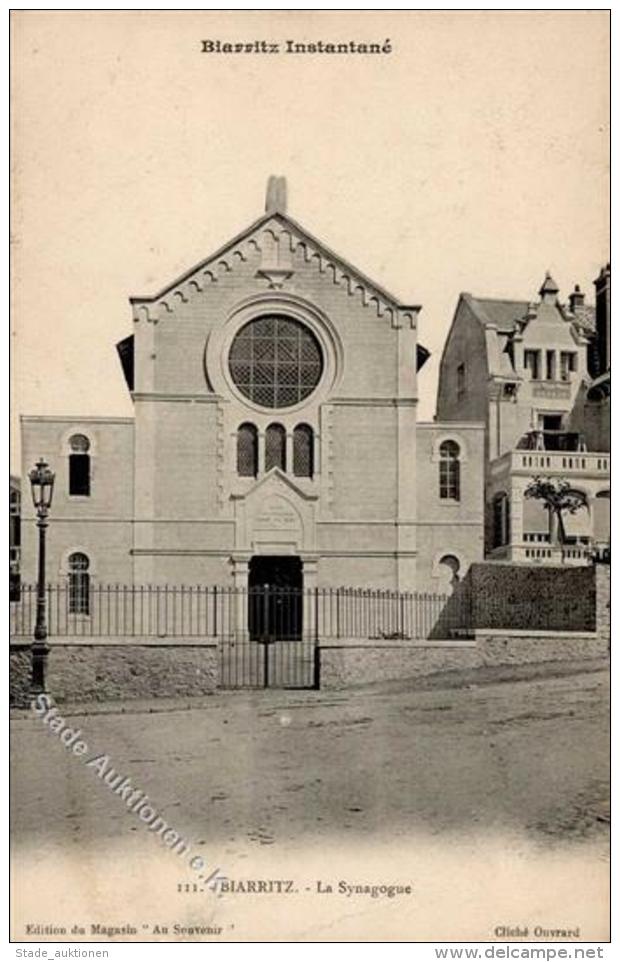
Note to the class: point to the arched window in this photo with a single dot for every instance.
(79, 584)
(275, 447)
(303, 451)
(449, 471)
(449, 567)
(79, 465)
(247, 451)
(501, 520)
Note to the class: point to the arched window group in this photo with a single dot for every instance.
(79, 465)
(79, 584)
(449, 471)
(275, 450)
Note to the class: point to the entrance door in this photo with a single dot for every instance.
(275, 603)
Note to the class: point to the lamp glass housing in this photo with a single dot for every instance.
(42, 485)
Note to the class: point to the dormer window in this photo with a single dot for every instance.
(568, 364)
(531, 362)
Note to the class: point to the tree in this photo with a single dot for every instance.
(558, 499)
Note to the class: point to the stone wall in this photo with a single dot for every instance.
(108, 669)
(357, 663)
(602, 574)
(525, 647)
(20, 668)
(349, 662)
(540, 598)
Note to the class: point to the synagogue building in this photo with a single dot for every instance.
(275, 438)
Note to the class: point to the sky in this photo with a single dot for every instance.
(473, 157)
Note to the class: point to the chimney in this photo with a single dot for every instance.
(275, 201)
(577, 301)
(549, 290)
(602, 286)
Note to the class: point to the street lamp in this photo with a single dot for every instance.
(42, 485)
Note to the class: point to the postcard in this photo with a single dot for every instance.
(310, 484)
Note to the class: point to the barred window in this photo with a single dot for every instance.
(275, 447)
(79, 465)
(79, 584)
(303, 451)
(449, 471)
(275, 361)
(247, 451)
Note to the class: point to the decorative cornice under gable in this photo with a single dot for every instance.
(281, 229)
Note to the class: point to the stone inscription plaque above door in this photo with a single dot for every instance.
(275, 513)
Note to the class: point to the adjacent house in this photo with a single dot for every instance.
(536, 373)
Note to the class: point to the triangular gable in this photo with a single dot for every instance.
(275, 475)
(286, 230)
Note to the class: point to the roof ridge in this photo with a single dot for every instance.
(306, 236)
(503, 300)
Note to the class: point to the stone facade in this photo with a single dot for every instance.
(450, 531)
(98, 524)
(168, 501)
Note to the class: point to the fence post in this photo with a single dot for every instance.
(265, 636)
(337, 612)
(316, 680)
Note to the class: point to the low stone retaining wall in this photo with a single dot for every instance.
(109, 668)
(524, 647)
(20, 668)
(105, 669)
(352, 662)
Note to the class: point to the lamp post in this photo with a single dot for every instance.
(42, 485)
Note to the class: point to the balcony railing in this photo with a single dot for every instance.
(552, 462)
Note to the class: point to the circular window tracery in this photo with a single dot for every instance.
(275, 361)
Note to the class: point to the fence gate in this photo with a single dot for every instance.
(275, 651)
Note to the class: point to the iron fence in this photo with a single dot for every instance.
(222, 612)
